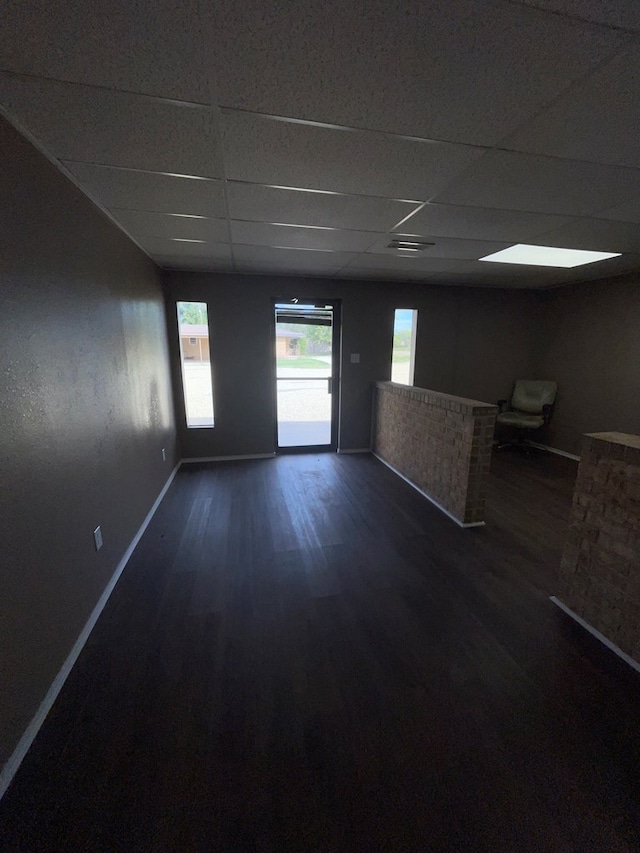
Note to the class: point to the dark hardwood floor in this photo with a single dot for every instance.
(304, 655)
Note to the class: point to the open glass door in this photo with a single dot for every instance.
(306, 353)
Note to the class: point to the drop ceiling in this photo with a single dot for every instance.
(302, 138)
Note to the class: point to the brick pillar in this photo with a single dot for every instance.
(600, 568)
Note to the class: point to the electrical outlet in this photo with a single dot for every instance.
(97, 537)
(164, 455)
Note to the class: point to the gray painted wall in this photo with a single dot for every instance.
(86, 408)
(590, 342)
(471, 342)
(474, 342)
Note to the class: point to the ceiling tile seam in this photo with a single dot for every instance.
(572, 221)
(422, 205)
(207, 41)
(164, 213)
(571, 217)
(410, 215)
(70, 176)
(68, 161)
(177, 102)
(460, 176)
(95, 165)
(574, 17)
(171, 249)
(459, 206)
(296, 249)
(352, 261)
(321, 192)
(294, 225)
(182, 216)
(311, 227)
(614, 165)
(579, 81)
(349, 129)
(291, 248)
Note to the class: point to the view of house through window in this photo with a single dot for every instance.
(193, 329)
(404, 346)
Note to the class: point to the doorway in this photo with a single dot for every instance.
(306, 351)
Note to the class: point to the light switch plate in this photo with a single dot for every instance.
(97, 537)
(355, 358)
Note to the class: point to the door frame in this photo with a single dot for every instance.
(336, 348)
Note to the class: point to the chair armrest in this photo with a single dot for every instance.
(502, 405)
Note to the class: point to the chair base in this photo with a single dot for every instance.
(520, 446)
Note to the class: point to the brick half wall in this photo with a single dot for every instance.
(441, 444)
(600, 568)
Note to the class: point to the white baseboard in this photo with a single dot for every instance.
(554, 450)
(428, 496)
(604, 640)
(226, 458)
(10, 768)
(354, 450)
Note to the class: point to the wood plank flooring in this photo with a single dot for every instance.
(304, 655)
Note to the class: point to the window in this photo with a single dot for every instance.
(403, 353)
(193, 333)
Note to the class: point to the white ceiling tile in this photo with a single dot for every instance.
(401, 274)
(141, 224)
(599, 235)
(159, 246)
(613, 13)
(528, 276)
(291, 260)
(131, 190)
(472, 72)
(265, 234)
(478, 223)
(505, 275)
(272, 204)
(195, 264)
(444, 247)
(461, 279)
(265, 151)
(130, 46)
(370, 261)
(596, 120)
(526, 182)
(115, 129)
(606, 269)
(628, 212)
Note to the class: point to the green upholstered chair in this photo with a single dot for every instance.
(528, 412)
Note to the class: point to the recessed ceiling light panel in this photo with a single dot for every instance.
(547, 256)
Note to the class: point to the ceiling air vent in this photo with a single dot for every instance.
(409, 245)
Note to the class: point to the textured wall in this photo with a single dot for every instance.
(440, 443)
(471, 342)
(86, 409)
(590, 343)
(600, 570)
(476, 343)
